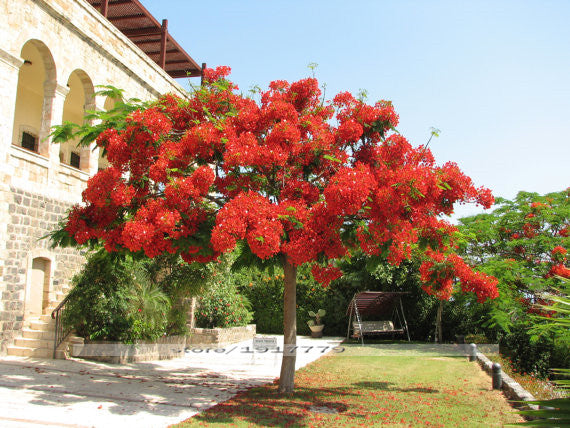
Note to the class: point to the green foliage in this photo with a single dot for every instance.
(265, 292)
(558, 310)
(148, 305)
(529, 356)
(95, 122)
(105, 301)
(243, 258)
(180, 281)
(264, 289)
(119, 298)
(514, 244)
(223, 306)
(317, 317)
(554, 412)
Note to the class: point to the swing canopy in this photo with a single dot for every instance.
(383, 311)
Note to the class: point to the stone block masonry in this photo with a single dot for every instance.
(220, 336)
(31, 217)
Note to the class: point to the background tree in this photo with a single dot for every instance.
(524, 244)
(292, 180)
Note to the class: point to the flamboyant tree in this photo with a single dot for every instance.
(290, 179)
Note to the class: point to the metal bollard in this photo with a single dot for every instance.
(497, 378)
(472, 352)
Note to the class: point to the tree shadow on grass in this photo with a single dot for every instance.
(265, 406)
(386, 386)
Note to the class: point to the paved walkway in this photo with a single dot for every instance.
(79, 393)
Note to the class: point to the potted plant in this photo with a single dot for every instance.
(316, 325)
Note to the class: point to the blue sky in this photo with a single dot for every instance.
(493, 76)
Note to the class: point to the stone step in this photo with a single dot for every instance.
(49, 309)
(51, 306)
(34, 343)
(19, 351)
(42, 325)
(46, 318)
(64, 350)
(28, 333)
(60, 355)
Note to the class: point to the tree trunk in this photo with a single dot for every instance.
(192, 314)
(438, 322)
(287, 377)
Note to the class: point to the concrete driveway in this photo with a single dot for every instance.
(79, 393)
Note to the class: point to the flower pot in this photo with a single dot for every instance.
(317, 330)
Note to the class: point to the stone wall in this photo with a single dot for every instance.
(31, 217)
(165, 348)
(221, 336)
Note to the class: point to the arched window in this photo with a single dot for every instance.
(36, 84)
(79, 99)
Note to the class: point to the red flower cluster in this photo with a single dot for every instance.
(560, 270)
(324, 275)
(532, 307)
(439, 271)
(558, 260)
(349, 189)
(252, 217)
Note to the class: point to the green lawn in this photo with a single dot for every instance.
(364, 388)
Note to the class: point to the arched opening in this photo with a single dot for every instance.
(36, 87)
(79, 99)
(38, 287)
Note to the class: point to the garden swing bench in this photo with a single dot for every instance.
(376, 304)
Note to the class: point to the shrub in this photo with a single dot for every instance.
(148, 307)
(535, 355)
(112, 299)
(223, 306)
(180, 281)
(265, 293)
(97, 305)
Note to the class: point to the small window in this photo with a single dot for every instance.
(74, 160)
(29, 141)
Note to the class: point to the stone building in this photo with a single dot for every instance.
(53, 55)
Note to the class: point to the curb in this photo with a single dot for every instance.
(512, 389)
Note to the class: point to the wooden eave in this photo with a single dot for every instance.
(152, 37)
